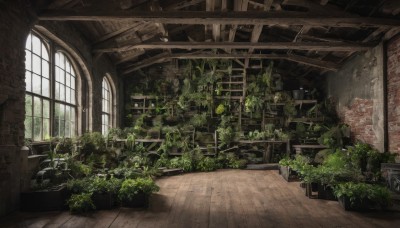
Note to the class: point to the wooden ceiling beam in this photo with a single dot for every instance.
(238, 5)
(319, 46)
(125, 45)
(257, 29)
(234, 18)
(294, 58)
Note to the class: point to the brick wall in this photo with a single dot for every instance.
(357, 89)
(16, 19)
(393, 84)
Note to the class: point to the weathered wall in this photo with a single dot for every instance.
(92, 69)
(16, 18)
(357, 89)
(393, 93)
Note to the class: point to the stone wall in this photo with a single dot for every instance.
(16, 18)
(357, 89)
(393, 93)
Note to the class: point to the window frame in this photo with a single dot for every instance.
(109, 104)
(52, 50)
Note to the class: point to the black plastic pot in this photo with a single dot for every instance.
(104, 201)
(45, 200)
(139, 200)
(357, 205)
(288, 174)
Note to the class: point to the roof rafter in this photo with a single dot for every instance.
(234, 18)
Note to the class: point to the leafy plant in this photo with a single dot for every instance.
(131, 187)
(359, 192)
(80, 203)
(253, 103)
(199, 120)
(207, 164)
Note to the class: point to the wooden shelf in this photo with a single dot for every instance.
(260, 141)
(307, 120)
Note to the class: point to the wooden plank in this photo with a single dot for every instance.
(317, 46)
(235, 18)
(183, 4)
(147, 62)
(120, 32)
(130, 57)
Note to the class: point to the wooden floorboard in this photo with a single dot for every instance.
(226, 198)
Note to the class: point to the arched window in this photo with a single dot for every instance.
(50, 101)
(106, 121)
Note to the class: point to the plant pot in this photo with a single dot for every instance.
(288, 174)
(45, 200)
(104, 201)
(357, 205)
(139, 200)
(298, 94)
(326, 192)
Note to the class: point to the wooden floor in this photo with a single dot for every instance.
(226, 198)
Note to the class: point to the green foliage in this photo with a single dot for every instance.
(220, 109)
(199, 120)
(79, 185)
(289, 109)
(80, 203)
(334, 137)
(207, 164)
(234, 162)
(358, 192)
(103, 185)
(226, 135)
(253, 103)
(131, 187)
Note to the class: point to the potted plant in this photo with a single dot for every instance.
(80, 203)
(362, 196)
(136, 192)
(104, 191)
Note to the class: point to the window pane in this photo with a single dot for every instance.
(73, 115)
(73, 82)
(45, 87)
(62, 128)
(68, 67)
(36, 45)
(36, 64)
(36, 87)
(61, 64)
(46, 109)
(45, 54)
(68, 96)
(57, 110)
(67, 129)
(67, 113)
(28, 127)
(61, 115)
(46, 128)
(28, 81)
(45, 69)
(56, 127)
(58, 74)
(37, 128)
(28, 105)
(37, 107)
(68, 80)
(28, 60)
(72, 92)
(28, 44)
(62, 93)
(57, 92)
